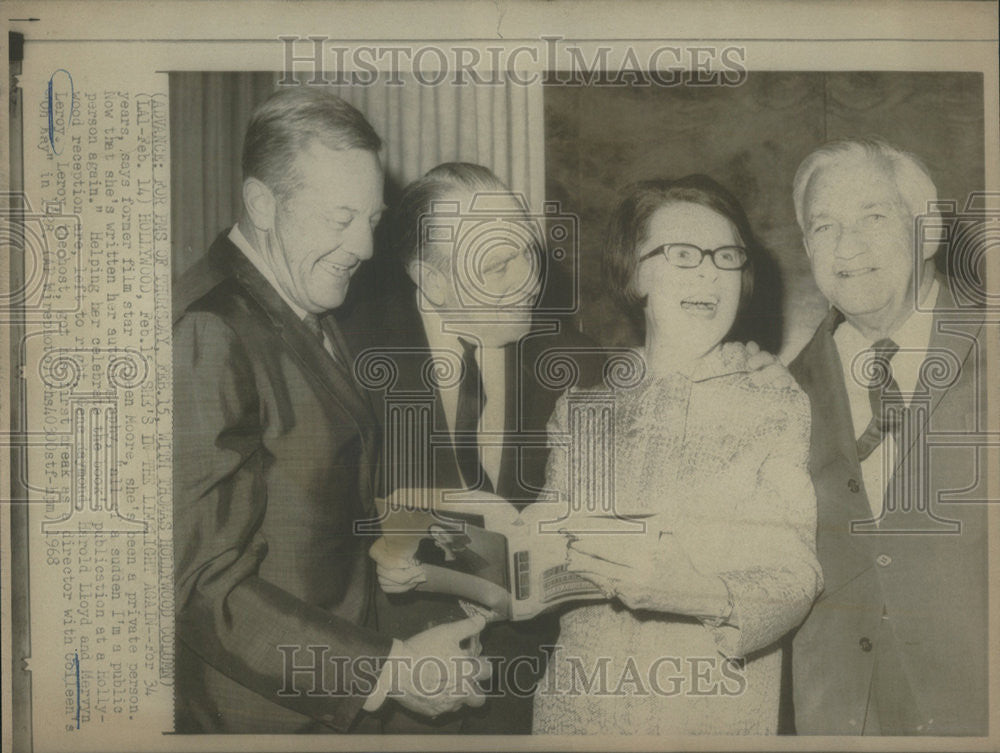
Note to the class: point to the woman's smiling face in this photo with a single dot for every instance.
(691, 308)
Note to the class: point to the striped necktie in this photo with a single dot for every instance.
(884, 397)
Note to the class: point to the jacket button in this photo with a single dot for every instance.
(883, 560)
(866, 645)
(853, 485)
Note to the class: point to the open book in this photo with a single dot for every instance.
(477, 546)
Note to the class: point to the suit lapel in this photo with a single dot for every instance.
(824, 381)
(335, 388)
(833, 442)
(333, 378)
(344, 362)
(954, 336)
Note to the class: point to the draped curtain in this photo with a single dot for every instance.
(208, 114)
(498, 126)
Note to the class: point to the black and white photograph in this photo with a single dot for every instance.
(701, 310)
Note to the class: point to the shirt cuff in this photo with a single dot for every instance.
(385, 679)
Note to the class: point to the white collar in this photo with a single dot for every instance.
(913, 334)
(240, 241)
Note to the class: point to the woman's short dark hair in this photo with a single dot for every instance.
(288, 121)
(629, 227)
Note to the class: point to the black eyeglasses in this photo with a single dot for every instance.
(687, 255)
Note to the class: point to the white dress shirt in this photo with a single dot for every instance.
(913, 339)
(492, 368)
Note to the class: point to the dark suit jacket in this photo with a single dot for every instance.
(274, 457)
(392, 324)
(932, 583)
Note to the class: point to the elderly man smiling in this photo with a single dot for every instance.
(896, 645)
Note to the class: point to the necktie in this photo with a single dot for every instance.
(471, 400)
(312, 322)
(886, 401)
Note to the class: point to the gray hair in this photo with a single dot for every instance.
(910, 175)
(288, 122)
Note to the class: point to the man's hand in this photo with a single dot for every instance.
(648, 571)
(396, 574)
(434, 674)
(768, 369)
(756, 358)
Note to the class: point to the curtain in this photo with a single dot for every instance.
(498, 126)
(208, 114)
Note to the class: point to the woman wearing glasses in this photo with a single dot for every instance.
(711, 457)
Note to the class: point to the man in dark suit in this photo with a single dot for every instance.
(470, 252)
(275, 449)
(897, 643)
